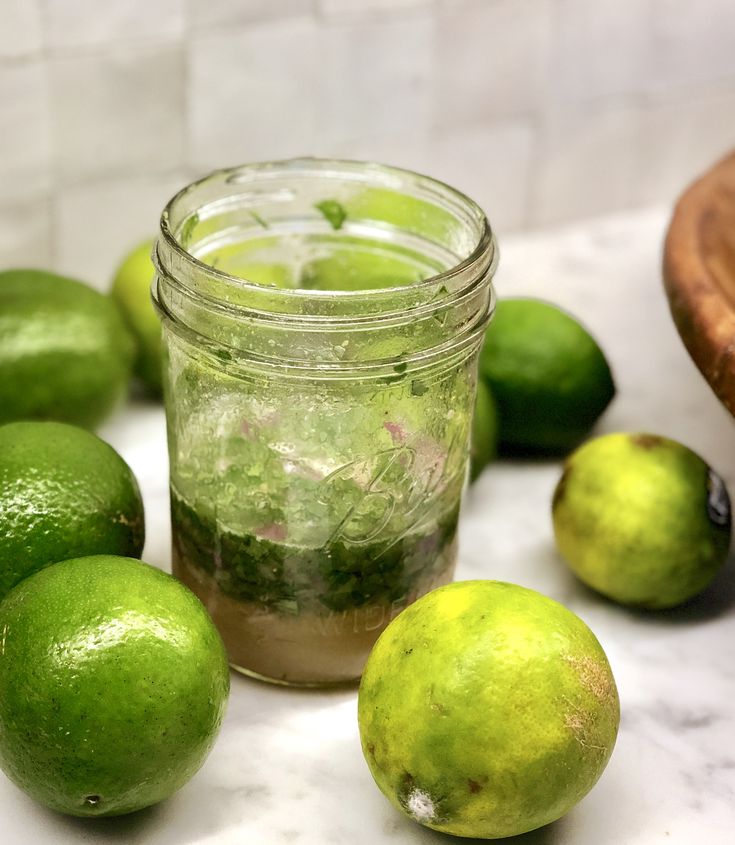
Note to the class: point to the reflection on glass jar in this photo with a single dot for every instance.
(321, 326)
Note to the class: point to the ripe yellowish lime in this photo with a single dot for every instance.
(487, 710)
(641, 519)
(131, 289)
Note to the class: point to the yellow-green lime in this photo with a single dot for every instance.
(65, 352)
(549, 377)
(131, 289)
(63, 493)
(641, 519)
(393, 208)
(487, 710)
(484, 441)
(354, 270)
(267, 261)
(113, 685)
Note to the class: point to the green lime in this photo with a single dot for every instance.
(65, 353)
(113, 685)
(487, 710)
(641, 519)
(131, 289)
(484, 442)
(264, 261)
(549, 377)
(354, 270)
(393, 208)
(63, 493)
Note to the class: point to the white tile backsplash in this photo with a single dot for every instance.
(492, 58)
(544, 110)
(20, 28)
(681, 140)
(96, 223)
(587, 163)
(368, 7)
(691, 42)
(491, 163)
(412, 150)
(375, 78)
(25, 236)
(253, 93)
(25, 152)
(85, 23)
(117, 111)
(600, 49)
(223, 13)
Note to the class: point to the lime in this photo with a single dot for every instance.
(131, 289)
(393, 208)
(65, 353)
(484, 432)
(113, 684)
(549, 377)
(63, 493)
(358, 270)
(641, 519)
(487, 710)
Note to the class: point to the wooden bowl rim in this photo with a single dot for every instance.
(703, 312)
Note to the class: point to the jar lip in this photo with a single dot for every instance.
(346, 168)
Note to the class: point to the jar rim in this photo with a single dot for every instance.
(325, 331)
(484, 251)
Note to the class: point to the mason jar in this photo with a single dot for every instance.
(321, 326)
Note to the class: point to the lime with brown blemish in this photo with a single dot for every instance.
(113, 685)
(63, 493)
(487, 710)
(641, 519)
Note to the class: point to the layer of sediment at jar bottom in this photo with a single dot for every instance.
(301, 641)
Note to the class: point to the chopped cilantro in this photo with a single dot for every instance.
(259, 219)
(333, 212)
(291, 579)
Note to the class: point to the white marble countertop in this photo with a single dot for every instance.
(288, 767)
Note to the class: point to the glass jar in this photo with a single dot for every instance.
(321, 324)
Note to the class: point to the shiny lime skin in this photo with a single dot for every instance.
(131, 289)
(641, 519)
(550, 379)
(487, 710)
(65, 352)
(113, 685)
(63, 493)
